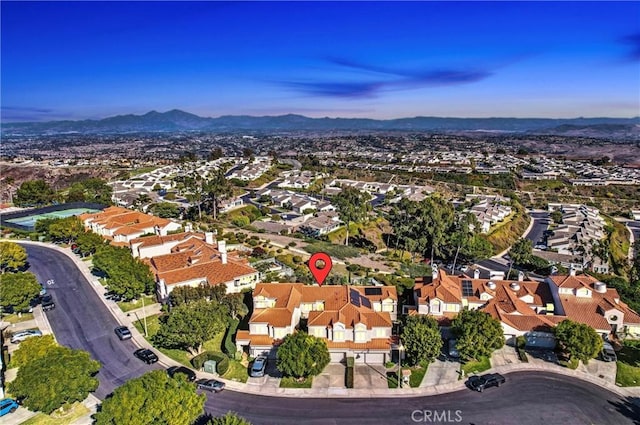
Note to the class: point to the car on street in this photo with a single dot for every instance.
(480, 383)
(123, 332)
(8, 405)
(22, 335)
(258, 367)
(608, 354)
(173, 370)
(146, 355)
(210, 385)
(46, 301)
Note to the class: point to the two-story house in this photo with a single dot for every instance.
(355, 321)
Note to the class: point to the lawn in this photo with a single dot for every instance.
(237, 371)
(126, 306)
(628, 367)
(181, 356)
(13, 318)
(417, 373)
(473, 366)
(338, 251)
(76, 412)
(288, 382)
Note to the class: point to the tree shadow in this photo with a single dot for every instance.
(628, 407)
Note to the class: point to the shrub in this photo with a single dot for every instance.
(240, 221)
(522, 355)
(229, 346)
(521, 341)
(349, 372)
(292, 244)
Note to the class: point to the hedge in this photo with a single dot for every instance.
(222, 361)
(229, 346)
(522, 355)
(349, 375)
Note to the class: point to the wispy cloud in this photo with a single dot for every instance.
(633, 41)
(386, 79)
(30, 113)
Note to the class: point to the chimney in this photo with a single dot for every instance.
(476, 274)
(188, 227)
(520, 276)
(208, 238)
(222, 247)
(572, 271)
(434, 272)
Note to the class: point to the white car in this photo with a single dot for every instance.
(22, 335)
(464, 269)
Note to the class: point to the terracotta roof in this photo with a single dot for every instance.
(122, 220)
(214, 272)
(374, 344)
(255, 340)
(160, 240)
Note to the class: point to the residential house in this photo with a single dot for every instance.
(355, 321)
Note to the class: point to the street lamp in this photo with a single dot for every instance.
(400, 351)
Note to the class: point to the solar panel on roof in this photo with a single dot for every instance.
(373, 291)
(365, 301)
(467, 288)
(354, 296)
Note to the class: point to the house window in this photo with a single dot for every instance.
(338, 335)
(361, 336)
(279, 333)
(387, 307)
(381, 333)
(236, 282)
(435, 306)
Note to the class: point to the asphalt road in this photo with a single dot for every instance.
(526, 398)
(82, 321)
(541, 221)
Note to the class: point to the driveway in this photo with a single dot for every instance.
(332, 376)
(271, 377)
(604, 370)
(504, 356)
(370, 376)
(441, 372)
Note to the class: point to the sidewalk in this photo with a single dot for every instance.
(440, 387)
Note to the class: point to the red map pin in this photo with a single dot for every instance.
(320, 274)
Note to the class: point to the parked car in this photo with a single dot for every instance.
(146, 355)
(479, 383)
(8, 405)
(452, 350)
(46, 301)
(259, 366)
(464, 268)
(123, 332)
(608, 354)
(211, 385)
(22, 335)
(173, 370)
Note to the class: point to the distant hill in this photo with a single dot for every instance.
(177, 120)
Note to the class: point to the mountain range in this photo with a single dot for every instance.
(177, 120)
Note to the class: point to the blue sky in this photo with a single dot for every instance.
(364, 59)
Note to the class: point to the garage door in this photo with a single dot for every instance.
(337, 357)
(374, 358)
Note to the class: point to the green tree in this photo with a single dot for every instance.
(230, 418)
(216, 189)
(520, 253)
(435, 217)
(126, 276)
(97, 190)
(215, 154)
(153, 398)
(352, 206)
(556, 216)
(301, 355)
(65, 229)
(478, 334)
(31, 349)
(34, 192)
(12, 256)
(18, 289)
(62, 376)
(421, 338)
(77, 193)
(581, 341)
(89, 243)
(165, 210)
(188, 326)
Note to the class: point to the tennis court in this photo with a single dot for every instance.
(30, 220)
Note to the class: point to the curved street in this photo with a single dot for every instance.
(82, 320)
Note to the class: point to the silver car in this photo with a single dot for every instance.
(22, 335)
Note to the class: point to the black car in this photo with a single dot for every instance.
(608, 354)
(123, 332)
(210, 385)
(146, 355)
(479, 383)
(47, 302)
(191, 375)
